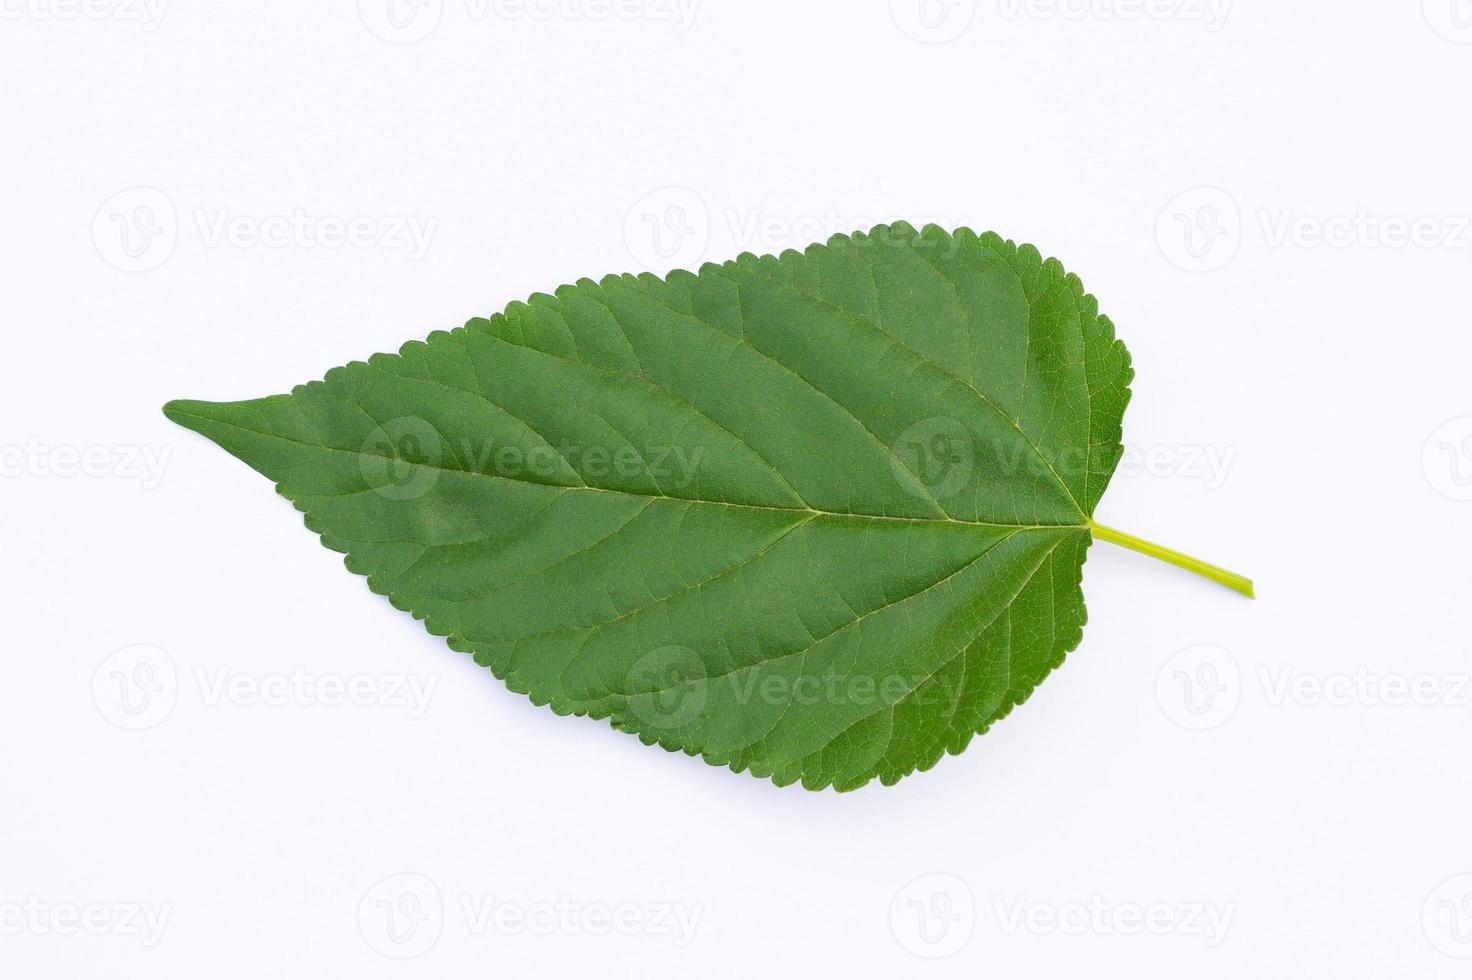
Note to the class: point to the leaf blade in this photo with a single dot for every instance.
(634, 479)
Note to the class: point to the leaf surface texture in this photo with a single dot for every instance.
(820, 516)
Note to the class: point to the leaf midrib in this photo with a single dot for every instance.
(178, 413)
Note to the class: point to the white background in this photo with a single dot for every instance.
(1189, 167)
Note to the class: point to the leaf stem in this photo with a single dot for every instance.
(1233, 581)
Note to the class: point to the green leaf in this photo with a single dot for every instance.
(818, 517)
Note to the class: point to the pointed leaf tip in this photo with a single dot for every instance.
(177, 409)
